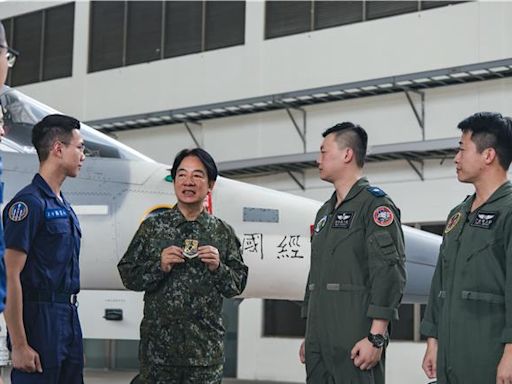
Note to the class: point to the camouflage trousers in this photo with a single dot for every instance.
(211, 374)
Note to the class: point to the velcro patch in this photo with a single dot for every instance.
(18, 211)
(484, 219)
(320, 224)
(383, 216)
(376, 191)
(342, 220)
(55, 213)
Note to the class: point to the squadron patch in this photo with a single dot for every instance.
(452, 222)
(320, 224)
(484, 219)
(18, 211)
(190, 248)
(342, 220)
(383, 216)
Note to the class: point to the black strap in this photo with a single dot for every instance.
(50, 297)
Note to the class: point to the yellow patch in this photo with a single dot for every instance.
(452, 222)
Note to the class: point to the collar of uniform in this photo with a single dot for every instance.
(358, 186)
(45, 188)
(504, 190)
(202, 219)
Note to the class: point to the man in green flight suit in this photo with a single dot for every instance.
(357, 273)
(468, 321)
(186, 261)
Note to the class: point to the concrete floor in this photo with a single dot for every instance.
(124, 377)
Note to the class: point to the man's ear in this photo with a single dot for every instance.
(211, 184)
(349, 155)
(490, 155)
(56, 148)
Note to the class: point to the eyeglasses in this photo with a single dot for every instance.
(11, 55)
(80, 147)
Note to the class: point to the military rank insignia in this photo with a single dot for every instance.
(18, 211)
(452, 222)
(190, 248)
(320, 224)
(383, 216)
(342, 220)
(484, 219)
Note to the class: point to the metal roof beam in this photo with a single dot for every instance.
(392, 84)
(412, 152)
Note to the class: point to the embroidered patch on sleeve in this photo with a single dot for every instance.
(320, 224)
(383, 216)
(18, 211)
(452, 222)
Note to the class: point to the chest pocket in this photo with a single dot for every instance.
(58, 227)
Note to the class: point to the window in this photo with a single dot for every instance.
(132, 32)
(224, 24)
(144, 32)
(287, 18)
(377, 9)
(283, 18)
(334, 13)
(58, 42)
(106, 35)
(45, 40)
(183, 28)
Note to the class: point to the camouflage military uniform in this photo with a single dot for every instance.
(182, 324)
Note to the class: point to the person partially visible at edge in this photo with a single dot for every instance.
(186, 261)
(468, 320)
(7, 60)
(42, 239)
(357, 272)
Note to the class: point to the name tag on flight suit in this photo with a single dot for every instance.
(484, 219)
(342, 220)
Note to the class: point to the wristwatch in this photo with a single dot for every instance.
(377, 340)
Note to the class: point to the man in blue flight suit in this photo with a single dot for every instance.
(42, 239)
(7, 59)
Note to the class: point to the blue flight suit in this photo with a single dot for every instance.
(2, 248)
(46, 228)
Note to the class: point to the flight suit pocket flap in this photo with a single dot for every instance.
(385, 243)
(57, 227)
(483, 296)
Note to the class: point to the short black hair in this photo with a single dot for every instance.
(50, 129)
(203, 156)
(491, 130)
(353, 136)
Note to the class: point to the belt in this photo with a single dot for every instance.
(51, 297)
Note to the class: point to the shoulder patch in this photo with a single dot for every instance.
(376, 191)
(320, 224)
(18, 211)
(452, 222)
(383, 216)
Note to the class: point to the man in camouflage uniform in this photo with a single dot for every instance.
(468, 320)
(186, 261)
(357, 273)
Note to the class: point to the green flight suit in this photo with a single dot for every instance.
(470, 304)
(357, 274)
